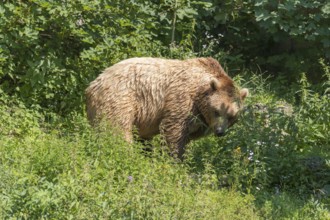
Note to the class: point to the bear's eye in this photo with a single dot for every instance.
(217, 114)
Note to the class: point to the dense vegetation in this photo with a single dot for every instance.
(274, 164)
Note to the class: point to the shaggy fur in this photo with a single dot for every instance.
(172, 97)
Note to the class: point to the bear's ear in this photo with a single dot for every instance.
(244, 93)
(215, 84)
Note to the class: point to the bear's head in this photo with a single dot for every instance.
(221, 104)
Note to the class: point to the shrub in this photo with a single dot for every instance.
(51, 50)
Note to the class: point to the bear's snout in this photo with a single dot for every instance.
(219, 131)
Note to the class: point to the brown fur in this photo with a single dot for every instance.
(171, 97)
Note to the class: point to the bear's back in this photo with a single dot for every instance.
(145, 85)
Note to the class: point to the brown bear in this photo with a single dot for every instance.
(180, 99)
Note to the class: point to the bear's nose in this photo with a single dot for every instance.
(219, 131)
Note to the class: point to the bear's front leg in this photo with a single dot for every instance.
(175, 134)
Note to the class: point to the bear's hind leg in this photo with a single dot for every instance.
(123, 120)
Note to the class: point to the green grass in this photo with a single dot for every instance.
(63, 169)
(85, 175)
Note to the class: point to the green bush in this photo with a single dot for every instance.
(16, 119)
(51, 50)
(285, 37)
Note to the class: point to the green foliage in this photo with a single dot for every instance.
(178, 19)
(51, 50)
(290, 208)
(303, 23)
(314, 116)
(17, 120)
(279, 36)
(296, 18)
